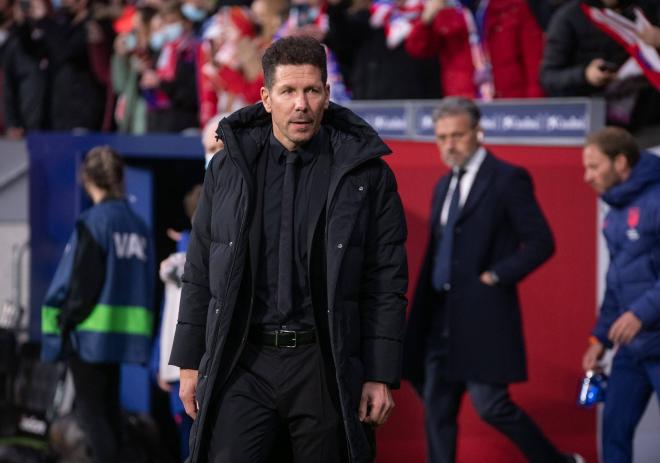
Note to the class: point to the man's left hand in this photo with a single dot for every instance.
(487, 278)
(625, 328)
(376, 403)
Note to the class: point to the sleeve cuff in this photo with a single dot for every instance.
(382, 361)
(188, 346)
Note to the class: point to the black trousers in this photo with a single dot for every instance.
(493, 404)
(272, 388)
(97, 407)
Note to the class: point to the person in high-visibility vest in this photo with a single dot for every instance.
(98, 310)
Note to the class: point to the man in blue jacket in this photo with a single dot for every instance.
(629, 320)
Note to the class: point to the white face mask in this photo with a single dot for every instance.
(165, 35)
(193, 13)
(172, 32)
(157, 40)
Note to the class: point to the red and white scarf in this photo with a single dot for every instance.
(396, 18)
(483, 70)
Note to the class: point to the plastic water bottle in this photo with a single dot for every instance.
(592, 389)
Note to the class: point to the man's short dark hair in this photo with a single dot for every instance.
(456, 106)
(614, 141)
(296, 51)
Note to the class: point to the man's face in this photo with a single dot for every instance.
(599, 170)
(457, 139)
(296, 103)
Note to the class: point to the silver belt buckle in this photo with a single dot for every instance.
(288, 346)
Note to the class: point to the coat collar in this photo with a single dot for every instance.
(479, 188)
(480, 185)
(353, 140)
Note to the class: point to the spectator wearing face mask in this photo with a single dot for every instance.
(131, 56)
(196, 11)
(173, 83)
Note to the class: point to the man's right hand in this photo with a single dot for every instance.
(431, 9)
(597, 74)
(592, 356)
(187, 391)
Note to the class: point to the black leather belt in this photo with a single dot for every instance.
(283, 338)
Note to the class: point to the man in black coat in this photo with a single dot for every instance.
(465, 332)
(581, 60)
(293, 300)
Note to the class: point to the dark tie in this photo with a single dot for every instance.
(442, 264)
(285, 264)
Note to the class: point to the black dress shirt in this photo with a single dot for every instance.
(265, 306)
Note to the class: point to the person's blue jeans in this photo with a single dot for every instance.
(629, 389)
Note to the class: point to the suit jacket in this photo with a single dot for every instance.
(500, 228)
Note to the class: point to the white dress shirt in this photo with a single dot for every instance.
(471, 169)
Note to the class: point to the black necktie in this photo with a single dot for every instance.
(442, 264)
(285, 264)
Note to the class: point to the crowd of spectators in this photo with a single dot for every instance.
(138, 66)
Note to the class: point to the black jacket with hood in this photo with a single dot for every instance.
(357, 269)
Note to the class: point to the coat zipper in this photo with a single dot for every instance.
(331, 198)
(229, 279)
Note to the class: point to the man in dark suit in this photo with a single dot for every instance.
(464, 331)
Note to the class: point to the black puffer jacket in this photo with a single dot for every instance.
(358, 268)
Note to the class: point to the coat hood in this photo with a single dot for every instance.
(645, 174)
(346, 128)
